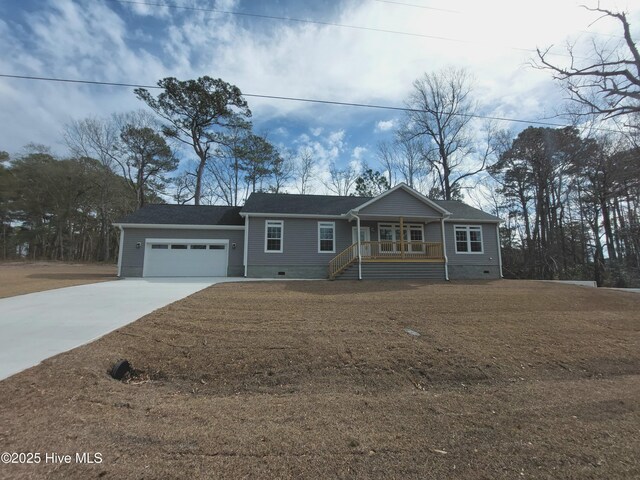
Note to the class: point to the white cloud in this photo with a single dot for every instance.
(148, 10)
(90, 40)
(283, 132)
(324, 150)
(385, 125)
(358, 152)
(336, 138)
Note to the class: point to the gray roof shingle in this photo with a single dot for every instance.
(185, 215)
(463, 211)
(275, 203)
(334, 205)
(288, 203)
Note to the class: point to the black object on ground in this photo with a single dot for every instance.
(120, 369)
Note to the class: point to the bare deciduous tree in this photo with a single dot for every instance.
(282, 172)
(608, 84)
(440, 118)
(341, 180)
(97, 138)
(303, 170)
(226, 169)
(388, 159)
(403, 160)
(411, 163)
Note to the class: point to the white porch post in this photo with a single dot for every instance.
(499, 248)
(359, 251)
(245, 254)
(120, 251)
(444, 251)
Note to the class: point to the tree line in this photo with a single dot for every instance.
(571, 206)
(569, 197)
(64, 208)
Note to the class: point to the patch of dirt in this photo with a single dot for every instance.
(18, 278)
(507, 379)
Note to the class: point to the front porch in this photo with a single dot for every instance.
(392, 252)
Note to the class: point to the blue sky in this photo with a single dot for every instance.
(122, 42)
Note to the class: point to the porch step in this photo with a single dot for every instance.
(394, 270)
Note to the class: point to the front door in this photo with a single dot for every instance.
(365, 236)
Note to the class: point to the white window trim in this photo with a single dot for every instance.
(280, 223)
(333, 227)
(395, 226)
(468, 228)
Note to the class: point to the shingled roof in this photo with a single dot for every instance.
(285, 203)
(301, 204)
(185, 215)
(276, 203)
(462, 211)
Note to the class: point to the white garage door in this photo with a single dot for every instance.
(185, 258)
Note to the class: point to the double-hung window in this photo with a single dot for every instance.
(326, 237)
(273, 236)
(412, 236)
(468, 239)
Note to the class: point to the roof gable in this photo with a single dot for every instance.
(440, 211)
(399, 203)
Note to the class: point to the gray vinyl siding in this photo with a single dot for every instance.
(133, 258)
(300, 242)
(433, 232)
(399, 203)
(489, 243)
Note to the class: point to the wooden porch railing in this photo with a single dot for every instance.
(343, 260)
(385, 251)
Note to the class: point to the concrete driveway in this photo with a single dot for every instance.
(38, 325)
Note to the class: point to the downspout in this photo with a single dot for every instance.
(359, 252)
(120, 249)
(245, 254)
(499, 249)
(444, 251)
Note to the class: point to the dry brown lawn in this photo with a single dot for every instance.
(507, 380)
(17, 278)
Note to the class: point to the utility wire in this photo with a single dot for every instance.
(317, 22)
(288, 19)
(459, 12)
(305, 100)
(419, 6)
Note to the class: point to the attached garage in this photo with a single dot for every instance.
(182, 241)
(186, 257)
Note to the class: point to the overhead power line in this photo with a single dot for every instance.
(287, 19)
(459, 12)
(424, 7)
(319, 22)
(297, 99)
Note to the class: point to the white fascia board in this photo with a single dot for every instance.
(179, 227)
(468, 220)
(291, 215)
(410, 191)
